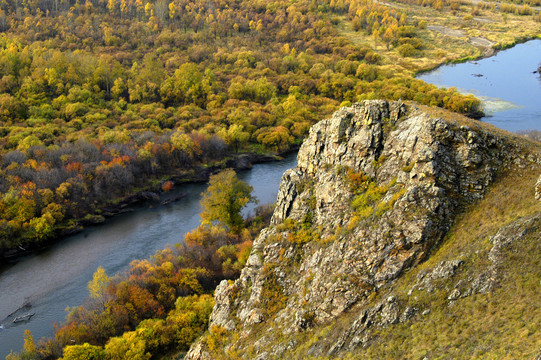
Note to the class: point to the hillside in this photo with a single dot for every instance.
(404, 232)
(103, 100)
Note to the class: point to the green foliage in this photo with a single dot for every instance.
(235, 136)
(407, 168)
(127, 346)
(369, 202)
(304, 235)
(224, 199)
(364, 203)
(407, 50)
(260, 90)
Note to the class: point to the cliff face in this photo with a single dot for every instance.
(377, 188)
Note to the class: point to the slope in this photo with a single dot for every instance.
(402, 233)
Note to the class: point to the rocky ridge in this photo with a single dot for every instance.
(376, 189)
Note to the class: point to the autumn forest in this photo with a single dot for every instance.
(101, 99)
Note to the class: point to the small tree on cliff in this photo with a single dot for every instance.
(224, 199)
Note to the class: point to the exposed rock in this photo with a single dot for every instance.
(221, 311)
(538, 189)
(487, 280)
(150, 196)
(455, 294)
(197, 352)
(376, 188)
(444, 270)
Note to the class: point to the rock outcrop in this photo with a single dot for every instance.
(538, 189)
(376, 189)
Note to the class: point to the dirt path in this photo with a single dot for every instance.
(484, 44)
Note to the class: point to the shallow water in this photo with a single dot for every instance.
(506, 84)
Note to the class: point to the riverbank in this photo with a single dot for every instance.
(458, 33)
(57, 277)
(494, 50)
(507, 84)
(152, 193)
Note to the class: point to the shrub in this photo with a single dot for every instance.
(407, 50)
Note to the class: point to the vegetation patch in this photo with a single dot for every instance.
(369, 202)
(272, 294)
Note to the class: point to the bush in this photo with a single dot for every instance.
(407, 50)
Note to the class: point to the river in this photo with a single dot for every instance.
(57, 278)
(506, 84)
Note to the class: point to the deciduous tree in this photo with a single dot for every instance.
(224, 199)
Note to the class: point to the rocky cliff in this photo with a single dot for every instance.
(364, 234)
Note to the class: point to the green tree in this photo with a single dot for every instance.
(235, 136)
(224, 199)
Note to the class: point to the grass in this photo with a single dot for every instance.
(453, 41)
(505, 324)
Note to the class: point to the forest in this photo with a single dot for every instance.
(101, 99)
(159, 306)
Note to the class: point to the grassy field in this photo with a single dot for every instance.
(468, 31)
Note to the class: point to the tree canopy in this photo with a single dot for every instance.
(224, 199)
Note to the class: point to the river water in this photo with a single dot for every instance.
(57, 278)
(506, 84)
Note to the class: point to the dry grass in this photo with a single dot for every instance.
(454, 38)
(505, 324)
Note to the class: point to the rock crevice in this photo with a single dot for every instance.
(376, 188)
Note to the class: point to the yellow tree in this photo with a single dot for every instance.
(127, 347)
(98, 284)
(224, 199)
(111, 6)
(388, 36)
(235, 136)
(83, 352)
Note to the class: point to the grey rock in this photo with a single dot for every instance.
(426, 167)
(197, 352)
(426, 278)
(407, 314)
(488, 279)
(538, 189)
(455, 294)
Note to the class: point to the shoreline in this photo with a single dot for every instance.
(495, 50)
(149, 195)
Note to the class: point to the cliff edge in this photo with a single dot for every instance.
(395, 214)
